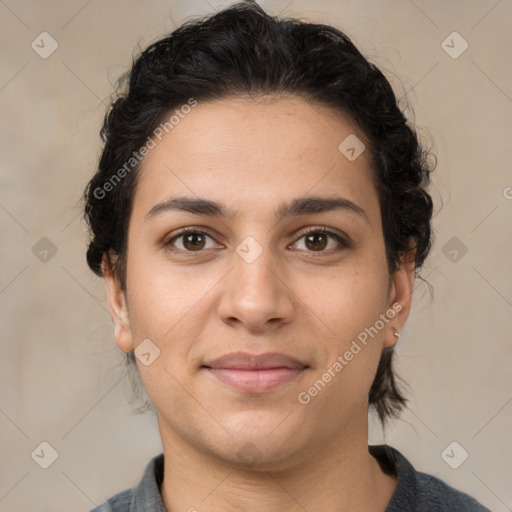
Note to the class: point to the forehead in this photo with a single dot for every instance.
(255, 152)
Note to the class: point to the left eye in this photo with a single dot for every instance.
(317, 240)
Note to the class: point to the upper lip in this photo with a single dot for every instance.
(246, 361)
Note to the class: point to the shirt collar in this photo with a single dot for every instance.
(147, 497)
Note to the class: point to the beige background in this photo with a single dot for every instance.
(58, 377)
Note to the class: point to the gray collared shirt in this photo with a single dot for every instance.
(415, 491)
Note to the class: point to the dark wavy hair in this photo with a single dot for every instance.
(242, 51)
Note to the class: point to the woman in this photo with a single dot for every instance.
(259, 215)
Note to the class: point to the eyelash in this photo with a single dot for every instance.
(344, 243)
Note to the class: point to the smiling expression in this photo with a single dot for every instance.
(283, 252)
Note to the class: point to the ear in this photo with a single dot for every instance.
(400, 298)
(118, 306)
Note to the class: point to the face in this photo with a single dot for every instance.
(285, 254)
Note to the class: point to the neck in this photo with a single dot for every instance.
(342, 476)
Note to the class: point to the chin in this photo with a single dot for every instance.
(259, 424)
(260, 456)
(261, 441)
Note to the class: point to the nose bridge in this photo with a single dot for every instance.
(253, 264)
(255, 292)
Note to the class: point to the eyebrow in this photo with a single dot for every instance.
(294, 208)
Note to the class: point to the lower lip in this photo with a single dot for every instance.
(255, 381)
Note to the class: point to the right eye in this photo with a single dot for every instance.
(191, 240)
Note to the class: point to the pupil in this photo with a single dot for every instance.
(192, 239)
(314, 237)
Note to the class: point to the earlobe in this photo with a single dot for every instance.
(400, 299)
(118, 308)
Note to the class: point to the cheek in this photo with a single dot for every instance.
(350, 308)
(160, 300)
(351, 298)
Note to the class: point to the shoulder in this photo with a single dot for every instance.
(434, 494)
(143, 498)
(420, 492)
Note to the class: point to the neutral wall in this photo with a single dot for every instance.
(58, 377)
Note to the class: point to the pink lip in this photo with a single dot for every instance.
(255, 381)
(253, 373)
(246, 361)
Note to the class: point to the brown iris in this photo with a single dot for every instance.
(312, 241)
(192, 241)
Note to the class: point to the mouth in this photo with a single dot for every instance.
(250, 373)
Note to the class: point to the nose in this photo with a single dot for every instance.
(256, 294)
